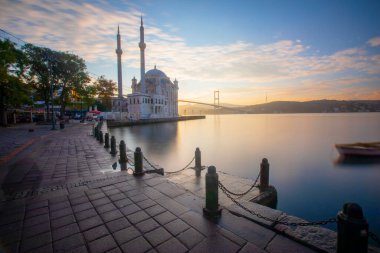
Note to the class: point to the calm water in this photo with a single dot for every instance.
(300, 147)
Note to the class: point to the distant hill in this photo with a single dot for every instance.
(316, 106)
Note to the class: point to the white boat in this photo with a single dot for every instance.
(359, 149)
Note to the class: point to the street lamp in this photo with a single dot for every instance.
(52, 95)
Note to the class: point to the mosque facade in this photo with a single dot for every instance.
(154, 96)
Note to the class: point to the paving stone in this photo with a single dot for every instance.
(126, 234)
(80, 249)
(35, 242)
(82, 207)
(11, 227)
(115, 250)
(85, 214)
(102, 244)
(36, 220)
(60, 213)
(147, 225)
(112, 215)
(90, 223)
(97, 195)
(246, 229)
(35, 230)
(165, 217)
(78, 201)
(138, 198)
(112, 192)
(138, 245)
(35, 212)
(249, 247)
(68, 243)
(172, 205)
(59, 205)
(231, 236)
(118, 224)
(10, 238)
(63, 221)
(281, 244)
(154, 210)
(190, 238)
(152, 193)
(105, 208)
(200, 223)
(146, 203)
(37, 205)
(216, 244)
(157, 236)
(137, 217)
(65, 231)
(44, 249)
(172, 245)
(123, 202)
(101, 201)
(177, 226)
(117, 196)
(6, 219)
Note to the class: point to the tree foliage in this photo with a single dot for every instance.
(105, 89)
(13, 91)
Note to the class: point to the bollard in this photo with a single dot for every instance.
(123, 152)
(264, 175)
(96, 133)
(138, 162)
(212, 209)
(101, 136)
(352, 230)
(107, 140)
(93, 130)
(198, 163)
(113, 146)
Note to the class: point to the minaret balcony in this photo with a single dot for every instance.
(119, 51)
(142, 45)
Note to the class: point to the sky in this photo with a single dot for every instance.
(250, 51)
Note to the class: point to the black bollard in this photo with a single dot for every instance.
(123, 152)
(264, 175)
(93, 130)
(198, 163)
(138, 162)
(96, 133)
(352, 230)
(113, 146)
(101, 136)
(212, 209)
(106, 140)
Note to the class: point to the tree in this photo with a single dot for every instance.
(105, 90)
(41, 73)
(72, 77)
(13, 91)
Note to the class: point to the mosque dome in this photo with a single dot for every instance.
(155, 73)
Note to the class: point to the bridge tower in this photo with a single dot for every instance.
(216, 100)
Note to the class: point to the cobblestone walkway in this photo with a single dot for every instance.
(88, 207)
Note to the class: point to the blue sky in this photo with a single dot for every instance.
(290, 50)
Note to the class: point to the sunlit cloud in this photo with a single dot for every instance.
(285, 68)
(374, 42)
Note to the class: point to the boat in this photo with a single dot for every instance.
(371, 149)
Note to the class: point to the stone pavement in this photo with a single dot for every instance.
(62, 195)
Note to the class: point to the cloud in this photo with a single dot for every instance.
(374, 42)
(89, 30)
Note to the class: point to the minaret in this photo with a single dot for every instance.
(119, 52)
(142, 57)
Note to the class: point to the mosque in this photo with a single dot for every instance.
(155, 96)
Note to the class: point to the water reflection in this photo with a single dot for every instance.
(358, 161)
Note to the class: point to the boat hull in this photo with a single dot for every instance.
(359, 149)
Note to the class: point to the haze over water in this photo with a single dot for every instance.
(300, 148)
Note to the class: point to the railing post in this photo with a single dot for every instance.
(264, 175)
(352, 230)
(212, 209)
(106, 140)
(113, 146)
(198, 163)
(101, 136)
(138, 162)
(123, 152)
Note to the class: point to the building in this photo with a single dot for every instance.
(155, 96)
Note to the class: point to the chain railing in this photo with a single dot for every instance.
(150, 164)
(243, 193)
(312, 223)
(184, 168)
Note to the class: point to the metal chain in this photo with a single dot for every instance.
(187, 166)
(374, 237)
(313, 223)
(130, 163)
(243, 193)
(150, 164)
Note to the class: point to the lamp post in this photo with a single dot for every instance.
(52, 95)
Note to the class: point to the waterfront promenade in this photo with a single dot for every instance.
(59, 193)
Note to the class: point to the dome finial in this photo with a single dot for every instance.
(142, 24)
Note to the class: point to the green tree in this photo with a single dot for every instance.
(105, 90)
(13, 91)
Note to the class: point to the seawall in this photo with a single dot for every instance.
(115, 123)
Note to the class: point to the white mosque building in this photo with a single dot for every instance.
(155, 96)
